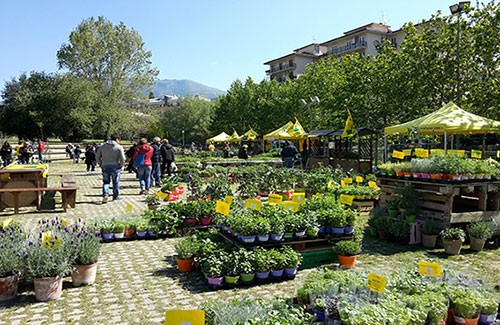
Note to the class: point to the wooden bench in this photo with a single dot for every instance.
(68, 195)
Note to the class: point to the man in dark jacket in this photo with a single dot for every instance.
(167, 152)
(111, 159)
(288, 154)
(156, 160)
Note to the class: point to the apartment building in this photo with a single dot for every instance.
(294, 64)
(362, 40)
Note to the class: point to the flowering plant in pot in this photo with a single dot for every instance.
(186, 249)
(12, 242)
(452, 240)
(213, 267)
(479, 232)
(85, 250)
(262, 263)
(346, 252)
(47, 261)
(466, 308)
(153, 201)
(291, 260)
(247, 265)
(232, 267)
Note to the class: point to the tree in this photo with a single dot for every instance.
(114, 59)
(193, 116)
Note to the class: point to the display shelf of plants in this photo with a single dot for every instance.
(408, 298)
(52, 251)
(320, 220)
(443, 169)
(225, 266)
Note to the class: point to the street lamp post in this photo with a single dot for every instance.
(182, 138)
(458, 8)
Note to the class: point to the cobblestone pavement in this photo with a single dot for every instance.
(137, 280)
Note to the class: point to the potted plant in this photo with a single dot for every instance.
(247, 266)
(213, 266)
(47, 261)
(106, 227)
(479, 232)
(291, 260)
(466, 310)
(12, 242)
(408, 201)
(430, 231)
(206, 212)
(346, 252)
(276, 262)
(350, 217)
(262, 228)
(337, 222)
(393, 206)
(153, 201)
(186, 249)
(86, 249)
(262, 263)
(232, 267)
(489, 309)
(118, 229)
(452, 240)
(141, 228)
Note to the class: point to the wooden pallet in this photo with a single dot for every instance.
(458, 202)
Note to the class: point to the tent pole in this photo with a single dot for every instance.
(484, 146)
(385, 148)
(445, 143)
(418, 137)
(452, 139)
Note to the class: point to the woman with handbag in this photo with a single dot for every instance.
(142, 161)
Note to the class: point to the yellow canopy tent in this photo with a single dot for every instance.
(249, 135)
(234, 137)
(289, 131)
(449, 119)
(223, 137)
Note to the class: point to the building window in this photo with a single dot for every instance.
(334, 50)
(394, 42)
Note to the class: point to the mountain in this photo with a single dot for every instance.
(184, 88)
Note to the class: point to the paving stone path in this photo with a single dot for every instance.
(137, 280)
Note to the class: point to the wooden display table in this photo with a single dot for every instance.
(21, 177)
(449, 202)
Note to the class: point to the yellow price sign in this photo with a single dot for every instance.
(359, 179)
(398, 154)
(372, 184)
(498, 153)
(6, 223)
(228, 199)
(222, 207)
(291, 206)
(184, 317)
(274, 199)
(376, 282)
(478, 154)
(346, 199)
(342, 183)
(429, 268)
(407, 152)
(348, 180)
(300, 198)
(162, 195)
(421, 153)
(253, 204)
(129, 207)
(458, 153)
(437, 152)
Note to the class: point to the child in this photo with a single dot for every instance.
(77, 153)
(90, 159)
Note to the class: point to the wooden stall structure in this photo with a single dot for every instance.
(449, 202)
(327, 147)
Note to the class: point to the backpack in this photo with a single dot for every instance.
(139, 160)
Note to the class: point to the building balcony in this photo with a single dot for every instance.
(283, 67)
(351, 47)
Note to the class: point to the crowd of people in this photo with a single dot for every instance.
(25, 152)
(150, 161)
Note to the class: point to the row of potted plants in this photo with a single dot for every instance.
(450, 168)
(359, 192)
(55, 250)
(223, 265)
(409, 298)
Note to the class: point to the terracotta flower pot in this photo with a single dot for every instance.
(83, 274)
(185, 265)
(466, 321)
(429, 241)
(129, 232)
(347, 262)
(8, 287)
(49, 288)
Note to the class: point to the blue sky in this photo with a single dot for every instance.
(212, 42)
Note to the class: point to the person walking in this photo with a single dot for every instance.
(69, 151)
(156, 161)
(243, 152)
(40, 147)
(288, 154)
(6, 153)
(111, 159)
(142, 161)
(129, 154)
(90, 157)
(167, 157)
(77, 154)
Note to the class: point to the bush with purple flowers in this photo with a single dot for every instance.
(12, 243)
